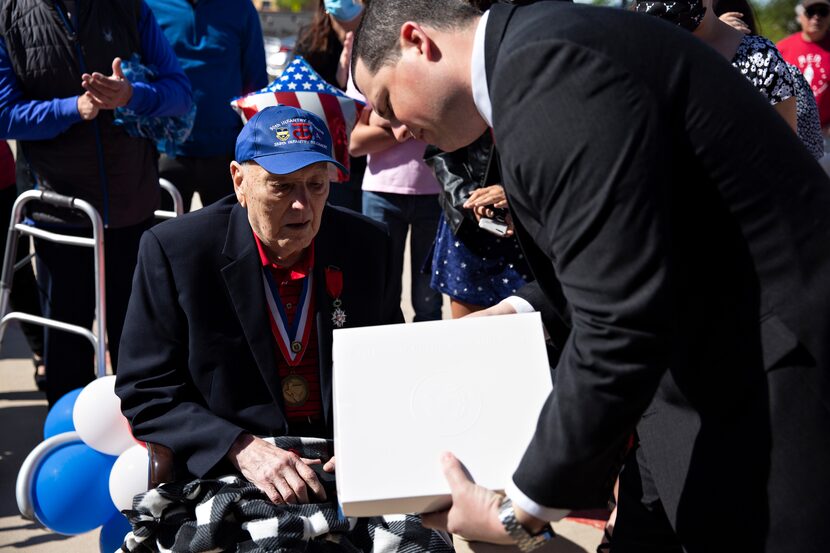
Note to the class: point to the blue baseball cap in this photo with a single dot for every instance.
(284, 139)
(344, 10)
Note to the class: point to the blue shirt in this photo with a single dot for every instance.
(219, 44)
(170, 94)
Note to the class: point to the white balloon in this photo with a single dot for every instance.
(129, 476)
(98, 419)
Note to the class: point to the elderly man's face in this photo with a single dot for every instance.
(419, 99)
(284, 210)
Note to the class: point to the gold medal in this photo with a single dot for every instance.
(294, 390)
(296, 346)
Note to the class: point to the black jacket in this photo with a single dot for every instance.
(198, 361)
(659, 196)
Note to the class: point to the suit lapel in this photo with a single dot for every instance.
(243, 277)
(497, 21)
(325, 254)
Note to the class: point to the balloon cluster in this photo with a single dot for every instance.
(88, 468)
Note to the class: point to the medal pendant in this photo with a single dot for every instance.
(294, 390)
(338, 317)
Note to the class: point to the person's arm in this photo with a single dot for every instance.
(158, 396)
(254, 73)
(170, 93)
(22, 119)
(371, 134)
(787, 110)
(604, 222)
(781, 91)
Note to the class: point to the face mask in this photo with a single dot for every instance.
(686, 14)
(344, 10)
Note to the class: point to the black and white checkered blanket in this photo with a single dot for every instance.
(231, 514)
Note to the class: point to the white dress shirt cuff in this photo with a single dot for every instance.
(531, 507)
(521, 305)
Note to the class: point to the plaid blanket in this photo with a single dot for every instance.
(231, 514)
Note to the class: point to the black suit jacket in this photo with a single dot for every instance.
(198, 361)
(659, 196)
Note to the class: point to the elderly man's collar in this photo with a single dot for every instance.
(300, 269)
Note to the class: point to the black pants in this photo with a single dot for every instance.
(642, 525)
(24, 295)
(209, 176)
(67, 281)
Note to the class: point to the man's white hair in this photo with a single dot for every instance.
(799, 9)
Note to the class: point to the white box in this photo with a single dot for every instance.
(403, 394)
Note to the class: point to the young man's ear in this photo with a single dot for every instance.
(415, 36)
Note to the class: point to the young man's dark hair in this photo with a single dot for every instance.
(376, 39)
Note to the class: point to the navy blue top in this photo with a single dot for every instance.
(170, 94)
(219, 44)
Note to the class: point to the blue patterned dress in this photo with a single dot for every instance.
(477, 267)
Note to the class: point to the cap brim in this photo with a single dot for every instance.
(283, 164)
(808, 3)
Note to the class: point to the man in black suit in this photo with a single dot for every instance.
(687, 229)
(229, 328)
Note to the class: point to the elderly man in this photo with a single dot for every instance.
(229, 328)
(694, 258)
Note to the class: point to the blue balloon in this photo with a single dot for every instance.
(71, 489)
(113, 532)
(59, 419)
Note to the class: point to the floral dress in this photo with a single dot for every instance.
(760, 61)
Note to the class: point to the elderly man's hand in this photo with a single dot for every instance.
(110, 92)
(329, 466)
(285, 477)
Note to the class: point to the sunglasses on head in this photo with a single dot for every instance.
(820, 10)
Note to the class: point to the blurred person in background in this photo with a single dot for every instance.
(59, 106)
(219, 45)
(475, 267)
(740, 15)
(326, 44)
(401, 191)
(809, 50)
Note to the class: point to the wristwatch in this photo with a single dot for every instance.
(524, 539)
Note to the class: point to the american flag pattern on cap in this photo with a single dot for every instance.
(301, 87)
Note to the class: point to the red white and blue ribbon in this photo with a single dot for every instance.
(299, 330)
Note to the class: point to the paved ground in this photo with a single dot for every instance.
(22, 412)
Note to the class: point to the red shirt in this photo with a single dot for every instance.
(813, 60)
(289, 281)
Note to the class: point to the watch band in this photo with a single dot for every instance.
(525, 541)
